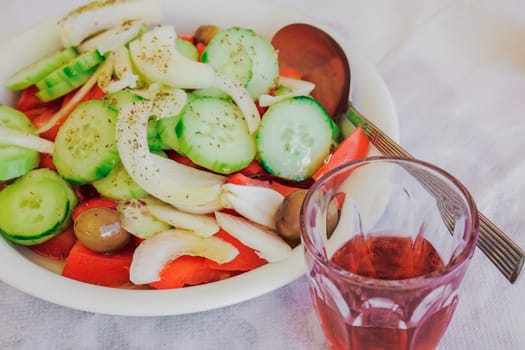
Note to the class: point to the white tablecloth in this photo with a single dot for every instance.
(456, 70)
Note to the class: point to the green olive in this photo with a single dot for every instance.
(100, 230)
(287, 217)
(205, 33)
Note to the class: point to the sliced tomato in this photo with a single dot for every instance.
(354, 147)
(254, 168)
(241, 179)
(46, 161)
(246, 260)
(28, 100)
(188, 271)
(42, 118)
(103, 269)
(93, 203)
(200, 49)
(186, 37)
(58, 247)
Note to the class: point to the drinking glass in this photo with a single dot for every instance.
(388, 275)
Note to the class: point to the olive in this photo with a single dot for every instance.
(287, 216)
(100, 230)
(205, 33)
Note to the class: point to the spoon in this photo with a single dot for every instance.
(320, 60)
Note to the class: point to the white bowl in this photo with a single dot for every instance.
(35, 275)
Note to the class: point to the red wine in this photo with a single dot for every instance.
(385, 319)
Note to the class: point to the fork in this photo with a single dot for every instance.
(501, 250)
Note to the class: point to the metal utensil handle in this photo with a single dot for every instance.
(508, 256)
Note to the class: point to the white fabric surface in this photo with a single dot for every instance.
(456, 70)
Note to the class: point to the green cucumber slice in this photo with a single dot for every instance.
(213, 134)
(16, 161)
(120, 98)
(33, 73)
(33, 209)
(138, 221)
(85, 62)
(246, 57)
(85, 147)
(119, 185)
(294, 138)
(187, 49)
(64, 87)
(166, 129)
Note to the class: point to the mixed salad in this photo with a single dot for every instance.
(141, 157)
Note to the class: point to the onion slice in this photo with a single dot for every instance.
(154, 253)
(13, 137)
(171, 182)
(112, 39)
(95, 17)
(267, 244)
(155, 56)
(201, 225)
(256, 203)
(242, 99)
(297, 87)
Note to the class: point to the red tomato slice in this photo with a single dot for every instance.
(46, 161)
(355, 146)
(187, 271)
(58, 247)
(111, 270)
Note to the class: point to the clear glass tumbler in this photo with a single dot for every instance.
(387, 276)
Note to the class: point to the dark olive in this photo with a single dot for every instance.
(287, 216)
(100, 229)
(205, 33)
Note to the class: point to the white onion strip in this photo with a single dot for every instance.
(13, 137)
(171, 182)
(297, 87)
(202, 225)
(154, 253)
(256, 203)
(267, 244)
(112, 39)
(242, 98)
(96, 17)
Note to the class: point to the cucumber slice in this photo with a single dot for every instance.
(16, 161)
(137, 219)
(120, 98)
(169, 108)
(294, 138)
(166, 129)
(154, 140)
(119, 185)
(33, 73)
(85, 148)
(156, 58)
(33, 209)
(245, 56)
(81, 64)
(187, 49)
(213, 134)
(53, 176)
(64, 87)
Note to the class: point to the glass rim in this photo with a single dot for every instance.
(417, 281)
